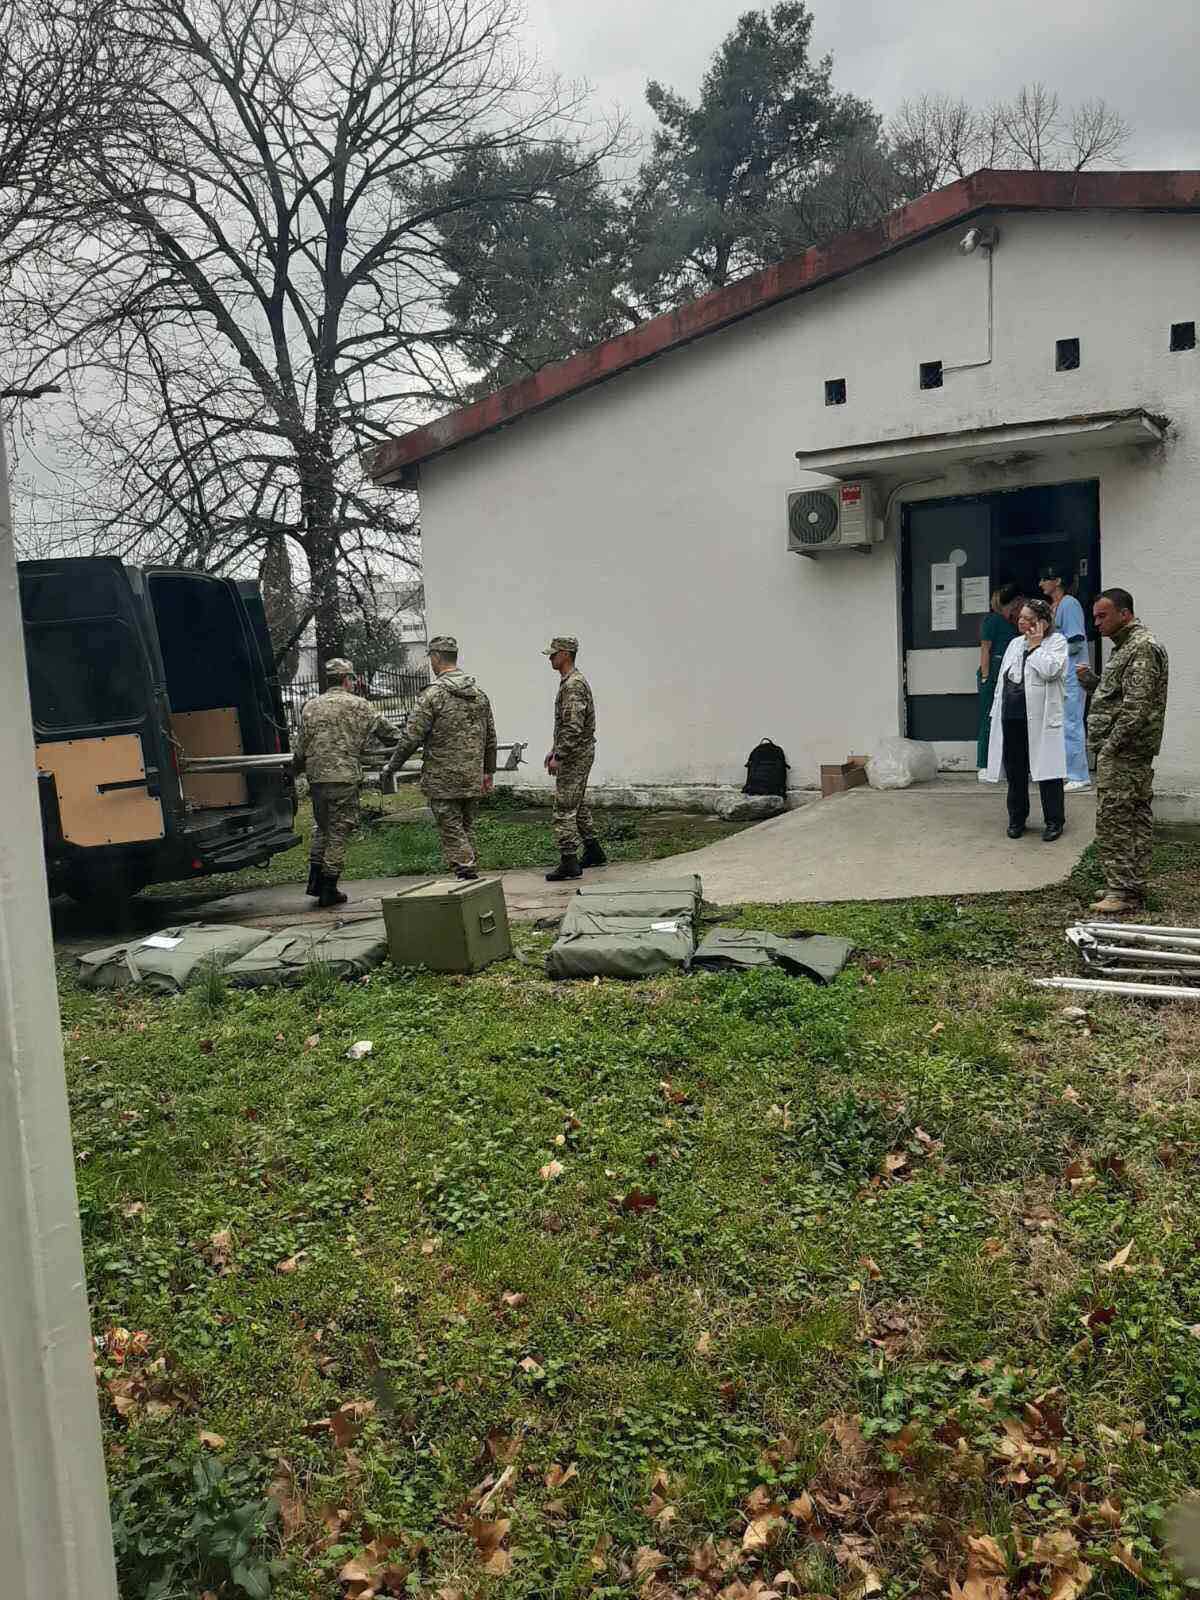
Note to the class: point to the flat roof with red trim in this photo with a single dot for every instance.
(395, 462)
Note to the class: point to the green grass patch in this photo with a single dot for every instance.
(507, 835)
(672, 1251)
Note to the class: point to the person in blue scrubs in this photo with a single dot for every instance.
(1055, 583)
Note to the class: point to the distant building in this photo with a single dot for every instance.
(1001, 374)
(402, 602)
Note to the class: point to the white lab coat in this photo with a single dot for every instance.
(1045, 693)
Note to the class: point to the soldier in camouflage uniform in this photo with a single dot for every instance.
(453, 722)
(570, 763)
(1125, 730)
(335, 729)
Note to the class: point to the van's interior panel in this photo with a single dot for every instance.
(216, 732)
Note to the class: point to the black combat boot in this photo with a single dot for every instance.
(593, 855)
(467, 874)
(331, 895)
(314, 880)
(568, 867)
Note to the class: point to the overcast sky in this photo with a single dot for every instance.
(1143, 57)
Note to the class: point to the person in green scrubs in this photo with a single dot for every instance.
(998, 632)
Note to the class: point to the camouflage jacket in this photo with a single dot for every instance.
(335, 729)
(453, 723)
(1130, 704)
(574, 716)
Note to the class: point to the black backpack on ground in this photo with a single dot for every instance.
(766, 770)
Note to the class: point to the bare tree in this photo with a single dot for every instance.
(57, 97)
(260, 301)
(934, 139)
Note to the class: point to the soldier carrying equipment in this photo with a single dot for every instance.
(335, 729)
(453, 721)
(569, 762)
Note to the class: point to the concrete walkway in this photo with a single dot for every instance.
(942, 838)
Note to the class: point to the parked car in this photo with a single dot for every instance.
(132, 671)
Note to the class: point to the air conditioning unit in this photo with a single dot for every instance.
(842, 517)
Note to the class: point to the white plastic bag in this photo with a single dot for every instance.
(899, 763)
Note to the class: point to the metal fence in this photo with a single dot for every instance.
(392, 689)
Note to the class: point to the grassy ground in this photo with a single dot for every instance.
(507, 836)
(693, 1286)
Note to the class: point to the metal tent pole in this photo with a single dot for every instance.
(55, 1536)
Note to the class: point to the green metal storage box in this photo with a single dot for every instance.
(448, 926)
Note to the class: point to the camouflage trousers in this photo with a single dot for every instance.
(1124, 823)
(335, 817)
(455, 819)
(572, 814)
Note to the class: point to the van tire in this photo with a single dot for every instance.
(104, 887)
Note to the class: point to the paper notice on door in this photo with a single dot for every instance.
(975, 596)
(943, 597)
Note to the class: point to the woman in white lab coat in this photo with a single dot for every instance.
(1027, 721)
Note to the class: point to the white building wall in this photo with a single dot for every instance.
(648, 515)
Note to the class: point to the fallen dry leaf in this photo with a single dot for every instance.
(291, 1509)
(870, 1267)
(503, 1448)
(1123, 1555)
(1039, 1219)
(213, 1441)
(346, 1422)
(134, 1210)
(647, 1561)
(532, 1367)
(360, 1048)
(802, 1509)
(291, 1263)
(598, 1560)
(638, 1200)
(219, 1251)
(895, 1161)
(556, 1476)
(1119, 1260)
(512, 1301)
(1071, 1095)
(762, 1532)
(703, 1346)
(312, 1041)
(552, 1170)
(489, 1539)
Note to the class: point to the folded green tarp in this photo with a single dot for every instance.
(656, 902)
(689, 885)
(344, 949)
(168, 960)
(820, 956)
(599, 944)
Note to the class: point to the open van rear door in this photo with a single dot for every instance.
(256, 614)
(92, 686)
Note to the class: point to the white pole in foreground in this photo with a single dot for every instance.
(55, 1536)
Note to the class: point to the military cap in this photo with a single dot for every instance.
(444, 643)
(339, 667)
(562, 641)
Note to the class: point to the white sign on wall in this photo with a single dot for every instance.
(975, 596)
(943, 597)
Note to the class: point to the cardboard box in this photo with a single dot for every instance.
(837, 779)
